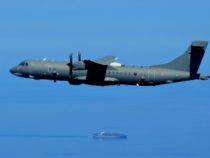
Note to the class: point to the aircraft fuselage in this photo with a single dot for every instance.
(106, 71)
(130, 75)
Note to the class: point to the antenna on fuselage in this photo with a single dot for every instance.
(44, 59)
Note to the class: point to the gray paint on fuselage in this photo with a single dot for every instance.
(147, 75)
(106, 71)
(126, 74)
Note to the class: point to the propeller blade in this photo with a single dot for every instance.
(70, 64)
(79, 56)
(71, 59)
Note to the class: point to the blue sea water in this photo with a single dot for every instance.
(159, 122)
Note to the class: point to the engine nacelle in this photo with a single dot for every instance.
(80, 65)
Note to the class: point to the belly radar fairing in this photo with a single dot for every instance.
(107, 71)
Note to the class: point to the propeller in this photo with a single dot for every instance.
(70, 64)
(79, 56)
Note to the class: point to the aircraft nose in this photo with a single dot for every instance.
(12, 70)
(16, 71)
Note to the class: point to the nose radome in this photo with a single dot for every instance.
(12, 70)
(16, 71)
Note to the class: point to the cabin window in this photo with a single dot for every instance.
(135, 74)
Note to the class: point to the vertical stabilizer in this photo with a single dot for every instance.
(190, 60)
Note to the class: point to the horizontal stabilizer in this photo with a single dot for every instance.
(204, 77)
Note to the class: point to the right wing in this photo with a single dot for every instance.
(107, 60)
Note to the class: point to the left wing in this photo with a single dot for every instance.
(96, 72)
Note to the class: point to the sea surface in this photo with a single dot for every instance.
(41, 119)
(154, 130)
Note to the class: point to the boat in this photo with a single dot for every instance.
(109, 135)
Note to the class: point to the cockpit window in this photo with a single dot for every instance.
(23, 64)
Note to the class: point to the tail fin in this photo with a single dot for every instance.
(190, 60)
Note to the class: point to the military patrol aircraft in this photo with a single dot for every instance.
(107, 71)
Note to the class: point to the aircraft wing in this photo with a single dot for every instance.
(96, 72)
(107, 60)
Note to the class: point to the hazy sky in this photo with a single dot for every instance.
(138, 32)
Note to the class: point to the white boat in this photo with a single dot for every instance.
(107, 135)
